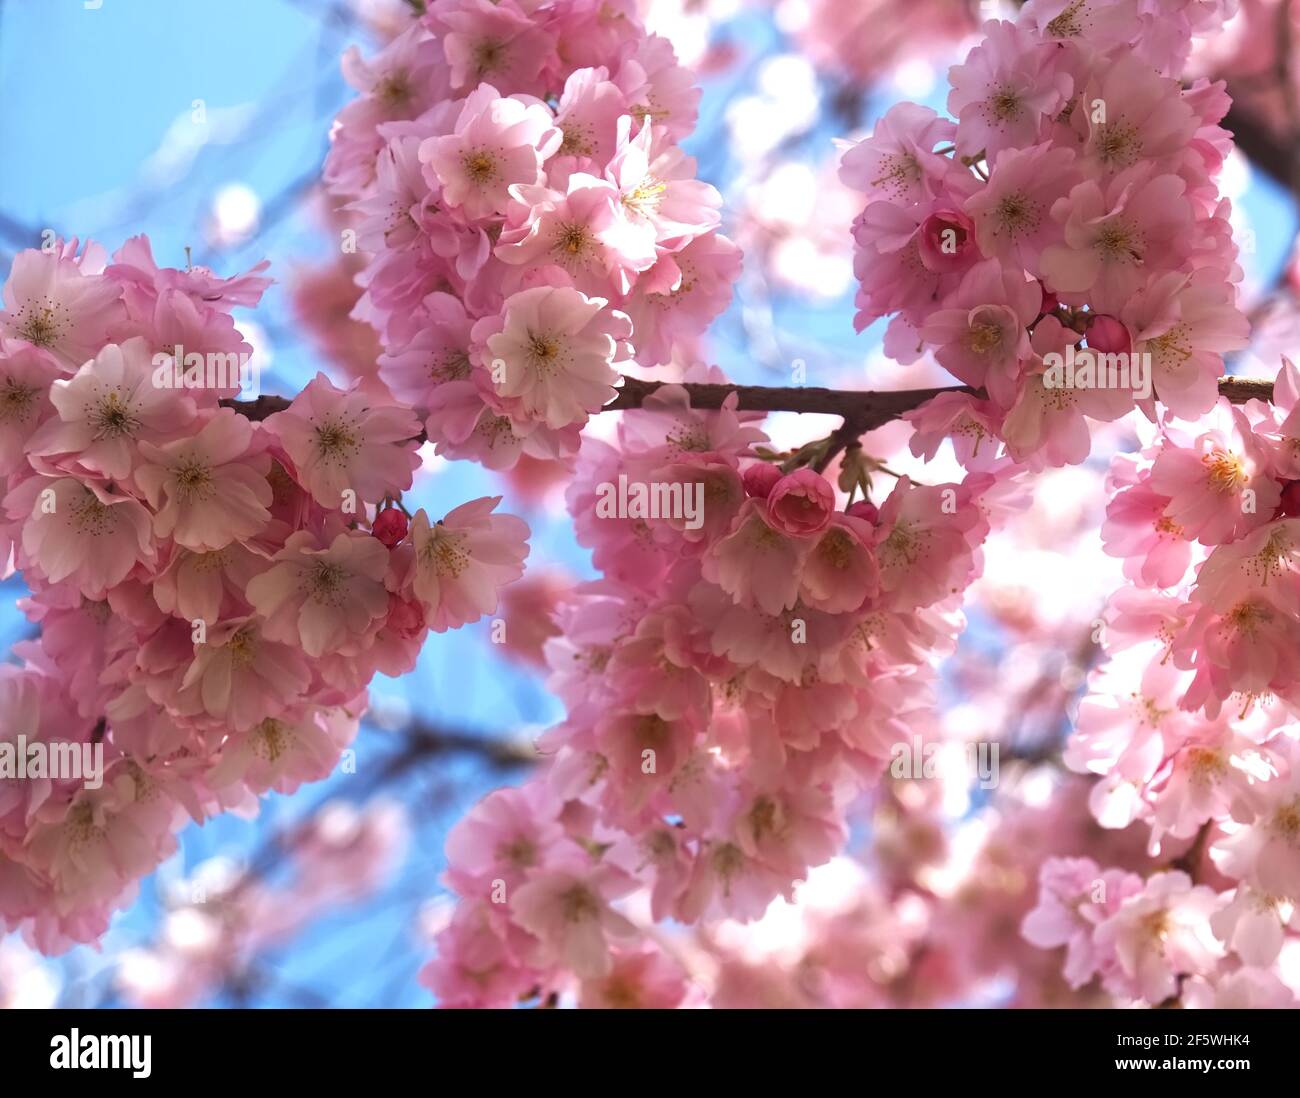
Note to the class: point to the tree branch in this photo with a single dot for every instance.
(261, 408)
(1275, 157)
(867, 408)
(421, 742)
(863, 410)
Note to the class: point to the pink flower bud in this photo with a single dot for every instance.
(1108, 335)
(864, 509)
(946, 241)
(801, 503)
(760, 479)
(389, 526)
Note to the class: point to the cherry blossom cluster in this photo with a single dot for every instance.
(1190, 722)
(864, 41)
(213, 592)
(731, 685)
(530, 224)
(926, 918)
(1071, 205)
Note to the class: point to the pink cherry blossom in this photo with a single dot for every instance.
(558, 349)
(568, 910)
(347, 441)
(322, 595)
(85, 532)
(208, 489)
(54, 301)
(498, 141)
(1004, 91)
(1159, 934)
(464, 559)
(112, 401)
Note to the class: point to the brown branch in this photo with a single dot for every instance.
(421, 742)
(1241, 389)
(259, 409)
(870, 408)
(1190, 860)
(863, 410)
(1277, 154)
(425, 740)
(1277, 157)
